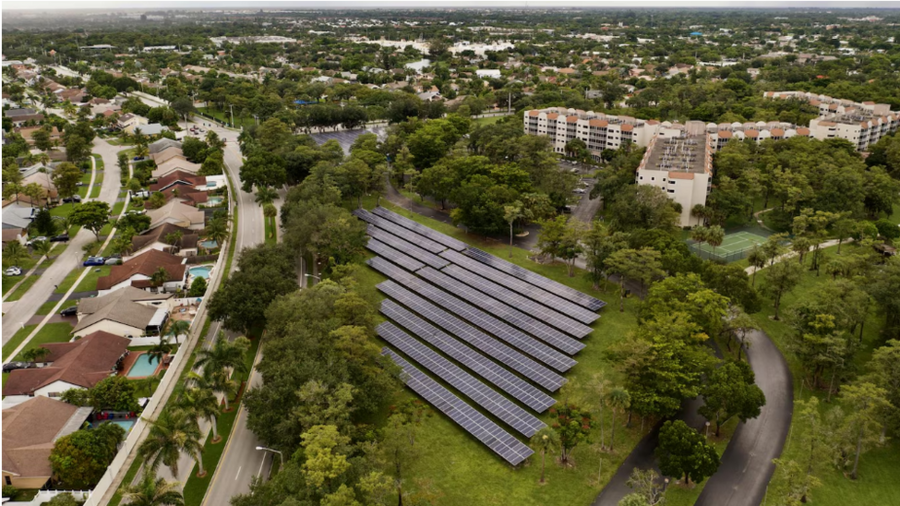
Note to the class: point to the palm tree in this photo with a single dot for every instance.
(618, 399)
(152, 491)
(202, 403)
(511, 213)
(265, 195)
(158, 278)
(270, 212)
(42, 248)
(14, 252)
(699, 234)
(174, 432)
(220, 382)
(174, 240)
(224, 355)
(715, 237)
(149, 381)
(757, 258)
(217, 230)
(545, 441)
(159, 350)
(177, 327)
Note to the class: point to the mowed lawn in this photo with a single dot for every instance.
(50, 333)
(465, 471)
(878, 481)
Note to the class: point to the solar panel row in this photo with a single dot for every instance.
(543, 313)
(393, 255)
(492, 306)
(466, 332)
(501, 442)
(407, 247)
(403, 233)
(536, 279)
(553, 358)
(501, 407)
(420, 229)
(521, 390)
(527, 289)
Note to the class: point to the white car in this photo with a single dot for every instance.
(36, 239)
(13, 271)
(580, 190)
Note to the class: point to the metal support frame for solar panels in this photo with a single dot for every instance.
(470, 419)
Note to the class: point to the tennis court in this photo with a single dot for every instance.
(734, 247)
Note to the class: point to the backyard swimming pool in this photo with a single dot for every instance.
(142, 367)
(200, 272)
(209, 244)
(214, 201)
(125, 424)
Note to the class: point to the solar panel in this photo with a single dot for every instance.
(553, 358)
(499, 406)
(521, 390)
(492, 435)
(403, 233)
(527, 289)
(536, 279)
(492, 306)
(539, 311)
(418, 228)
(407, 247)
(492, 347)
(393, 255)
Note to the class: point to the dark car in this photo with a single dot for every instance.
(69, 311)
(12, 366)
(60, 238)
(73, 198)
(92, 261)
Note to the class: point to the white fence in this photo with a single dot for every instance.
(45, 495)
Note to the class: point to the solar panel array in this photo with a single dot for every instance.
(499, 406)
(401, 259)
(420, 229)
(484, 326)
(501, 442)
(534, 278)
(403, 233)
(521, 390)
(553, 358)
(545, 314)
(465, 332)
(514, 316)
(407, 247)
(527, 289)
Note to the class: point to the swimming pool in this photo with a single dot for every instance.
(125, 424)
(209, 244)
(214, 201)
(142, 367)
(200, 272)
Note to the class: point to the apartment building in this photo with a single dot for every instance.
(599, 131)
(862, 123)
(682, 167)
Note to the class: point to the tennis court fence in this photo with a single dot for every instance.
(719, 256)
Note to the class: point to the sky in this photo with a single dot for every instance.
(46, 5)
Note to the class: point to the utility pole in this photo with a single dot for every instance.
(231, 106)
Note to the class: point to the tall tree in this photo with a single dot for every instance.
(92, 215)
(866, 403)
(544, 441)
(152, 491)
(731, 391)
(174, 432)
(684, 452)
(781, 278)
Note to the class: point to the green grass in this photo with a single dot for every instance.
(115, 141)
(271, 230)
(195, 488)
(98, 184)
(466, 472)
(63, 210)
(16, 340)
(89, 282)
(23, 288)
(69, 280)
(99, 161)
(226, 117)
(487, 121)
(48, 306)
(877, 483)
(50, 333)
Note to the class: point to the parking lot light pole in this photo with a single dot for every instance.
(265, 449)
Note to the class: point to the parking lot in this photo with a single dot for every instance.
(346, 137)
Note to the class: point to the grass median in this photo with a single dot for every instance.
(50, 333)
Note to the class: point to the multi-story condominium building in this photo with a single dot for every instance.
(862, 123)
(681, 165)
(599, 131)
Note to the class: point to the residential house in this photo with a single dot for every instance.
(14, 234)
(17, 216)
(129, 312)
(138, 271)
(21, 116)
(177, 163)
(168, 153)
(128, 122)
(155, 240)
(153, 129)
(27, 132)
(161, 144)
(177, 213)
(75, 364)
(184, 180)
(30, 429)
(430, 96)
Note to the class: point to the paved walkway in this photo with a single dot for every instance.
(827, 244)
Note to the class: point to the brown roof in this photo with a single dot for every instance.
(146, 264)
(815, 102)
(84, 362)
(725, 134)
(827, 123)
(681, 175)
(864, 124)
(166, 154)
(571, 119)
(752, 133)
(777, 132)
(552, 115)
(627, 128)
(29, 431)
(600, 123)
(567, 71)
(832, 107)
(175, 177)
(534, 113)
(803, 131)
(189, 237)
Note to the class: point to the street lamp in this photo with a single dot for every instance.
(707, 430)
(312, 276)
(264, 449)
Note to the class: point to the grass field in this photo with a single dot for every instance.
(50, 333)
(226, 117)
(877, 483)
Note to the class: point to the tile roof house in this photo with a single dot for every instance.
(20, 116)
(125, 312)
(138, 270)
(27, 132)
(29, 431)
(161, 144)
(76, 364)
(177, 213)
(155, 239)
(179, 178)
(129, 122)
(167, 154)
(174, 163)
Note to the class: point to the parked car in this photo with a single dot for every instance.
(92, 261)
(73, 198)
(142, 194)
(580, 190)
(13, 271)
(12, 366)
(60, 238)
(136, 211)
(39, 238)
(69, 311)
(138, 158)
(112, 261)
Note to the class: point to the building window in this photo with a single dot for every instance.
(653, 179)
(671, 191)
(642, 178)
(7, 480)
